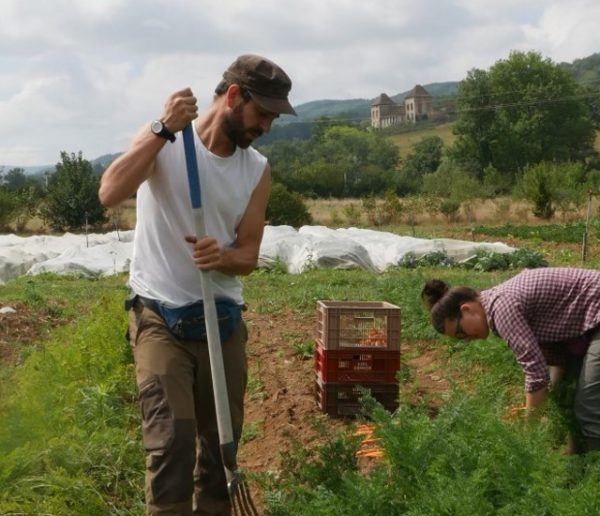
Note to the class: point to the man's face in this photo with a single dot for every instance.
(246, 122)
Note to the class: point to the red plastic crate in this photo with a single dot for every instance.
(353, 366)
(343, 399)
(358, 324)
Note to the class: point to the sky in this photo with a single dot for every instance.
(85, 75)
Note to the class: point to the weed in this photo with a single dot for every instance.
(256, 385)
(252, 430)
(304, 349)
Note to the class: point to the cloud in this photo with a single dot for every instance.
(84, 76)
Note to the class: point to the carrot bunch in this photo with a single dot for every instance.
(375, 338)
(369, 447)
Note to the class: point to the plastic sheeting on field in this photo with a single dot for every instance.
(319, 246)
(298, 250)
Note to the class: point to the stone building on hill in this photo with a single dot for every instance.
(418, 105)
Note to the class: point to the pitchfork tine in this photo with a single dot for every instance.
(240, 497)
(244, 496)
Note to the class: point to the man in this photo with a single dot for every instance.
(184, 472)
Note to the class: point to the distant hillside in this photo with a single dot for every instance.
(31, 171)
(98, 164)
(353, 108)
(361, 108)
(586, 71)
(437, 90)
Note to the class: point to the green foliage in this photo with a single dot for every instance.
(434, 259)
(338, 161)
(465, 461)
(451, 181)
(9, 204)
(380, 213)
(70, 440)
(449, 208)
(286, 208)
(73, 195)
(425, 158)
(353, 213)
(547, 185)
(495, 183)
(569, 232)
(482, 261)
(23, 193)
(68, 437)
(524, 110)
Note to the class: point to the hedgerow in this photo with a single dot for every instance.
(569, 232)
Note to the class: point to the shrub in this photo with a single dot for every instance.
(548, 185)
(8, 206)
(286, 208)
(353, 213)
(449, 208)
(72, 199)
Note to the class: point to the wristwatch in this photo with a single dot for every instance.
(160, 129)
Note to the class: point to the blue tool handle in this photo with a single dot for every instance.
(215, 352)
(192, 166)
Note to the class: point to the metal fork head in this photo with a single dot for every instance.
(239, 494)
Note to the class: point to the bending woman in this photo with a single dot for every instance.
(540, 313)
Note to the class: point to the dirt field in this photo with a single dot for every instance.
(280, 402)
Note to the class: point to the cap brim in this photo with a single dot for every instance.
(279, 106)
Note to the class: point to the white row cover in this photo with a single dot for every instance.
(298, 250)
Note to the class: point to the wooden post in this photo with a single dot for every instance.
(586, 230)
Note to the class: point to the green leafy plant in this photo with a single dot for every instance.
(286, 208)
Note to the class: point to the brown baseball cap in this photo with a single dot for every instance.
(266, 82)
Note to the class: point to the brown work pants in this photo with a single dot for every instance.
(184, 471)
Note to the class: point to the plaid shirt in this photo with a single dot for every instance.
(541, 308)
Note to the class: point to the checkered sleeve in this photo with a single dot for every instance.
(514, 329)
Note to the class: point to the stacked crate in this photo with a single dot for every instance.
(358, 344)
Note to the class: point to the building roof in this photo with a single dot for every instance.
(418, 91)
(383, 99)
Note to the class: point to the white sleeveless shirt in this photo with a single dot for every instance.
(162, 265)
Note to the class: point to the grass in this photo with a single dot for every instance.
(69, 436)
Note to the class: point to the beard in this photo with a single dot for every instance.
(240, 135)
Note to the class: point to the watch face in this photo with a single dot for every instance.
(156, 126)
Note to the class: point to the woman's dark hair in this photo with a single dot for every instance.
(444, 302)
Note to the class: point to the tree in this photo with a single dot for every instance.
(425, 158)
(550, 185)
(73, 195)
(286, 207)
(8, 206)
(523, 111)
(450, 180)
(15, 179)
(25, 193)
(338, 161)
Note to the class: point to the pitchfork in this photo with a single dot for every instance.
(239, 494)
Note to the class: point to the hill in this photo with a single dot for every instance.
(360, 109)
(586, 71)
(98, 164)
